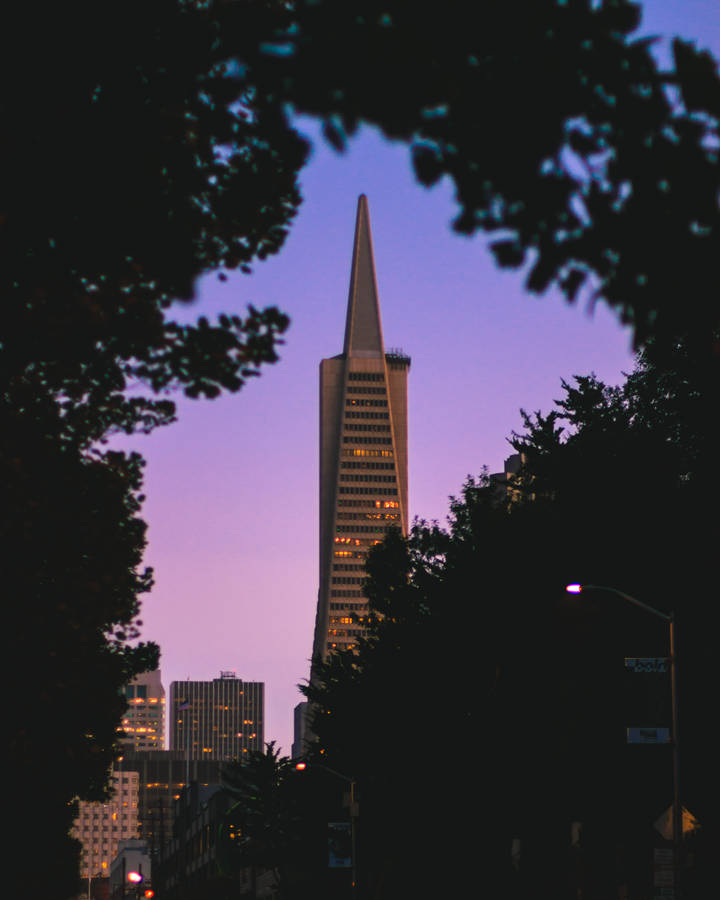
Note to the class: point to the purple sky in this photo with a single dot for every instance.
(232, 487)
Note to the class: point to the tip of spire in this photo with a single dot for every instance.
(363, 331)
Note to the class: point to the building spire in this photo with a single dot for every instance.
(363, 330)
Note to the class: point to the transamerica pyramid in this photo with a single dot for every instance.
(363, 452)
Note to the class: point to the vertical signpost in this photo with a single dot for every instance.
(656, 735)
(664, 886)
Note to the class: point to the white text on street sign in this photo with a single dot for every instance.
(655, 664)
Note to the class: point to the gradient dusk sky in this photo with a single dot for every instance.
(232, 487)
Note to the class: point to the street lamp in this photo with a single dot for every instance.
(303, 766)
(670, 619)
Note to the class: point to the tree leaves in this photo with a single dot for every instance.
(471, 626)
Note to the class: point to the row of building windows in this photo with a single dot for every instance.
(361, 529)
(344, 579)
(368, 491)
(345, 593)
(376, 466)
(348, 567)
(345, 632)
(366, 440)
(357, 542)
(361, 426)
(357, 451)
(359, 517)
(365, 389)
(386, 479)
(370, 503)
(343, 606)
(366, 376)
(352, 414)
(352, 401)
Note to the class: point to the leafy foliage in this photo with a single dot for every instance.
(275, 822)
(126, 174)
(158, 149)
(481, 682)
(72, 545)
(591, 167)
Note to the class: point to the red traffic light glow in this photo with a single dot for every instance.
(300, 766)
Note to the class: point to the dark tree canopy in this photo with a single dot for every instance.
(143, 145)
(276, 825)
(125, 175)
(160, 149)
(563, 138)
(482, 681)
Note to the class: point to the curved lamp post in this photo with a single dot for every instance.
(670, 619)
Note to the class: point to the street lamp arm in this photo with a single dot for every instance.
(666, 617)
(313, 765)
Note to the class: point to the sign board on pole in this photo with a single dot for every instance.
(664, 823)
(339, 845)
(648, 735)
(655, 664)
(663, 877)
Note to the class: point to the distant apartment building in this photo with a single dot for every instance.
(101, 826)
(219, 719)
(363, 452)
(143, 725)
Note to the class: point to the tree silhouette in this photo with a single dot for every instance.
(482, 683)
(144, 145)
(589, 165)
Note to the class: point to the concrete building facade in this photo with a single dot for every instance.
(219, 719)
(101, 826)
(143, 725)
(363, 452)
(162, 776)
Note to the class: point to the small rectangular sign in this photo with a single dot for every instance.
(339, 845)
(656, 664)
(663, 878)
(648, 735)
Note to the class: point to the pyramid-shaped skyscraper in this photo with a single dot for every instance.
(363, 452)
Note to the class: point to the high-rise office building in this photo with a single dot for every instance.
(218, 719)
(363, 452)
(143, 724)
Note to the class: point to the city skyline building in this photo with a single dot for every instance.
(219, 719)
(143, 724)
(162, 775)
(363, 452)
(101, 826)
